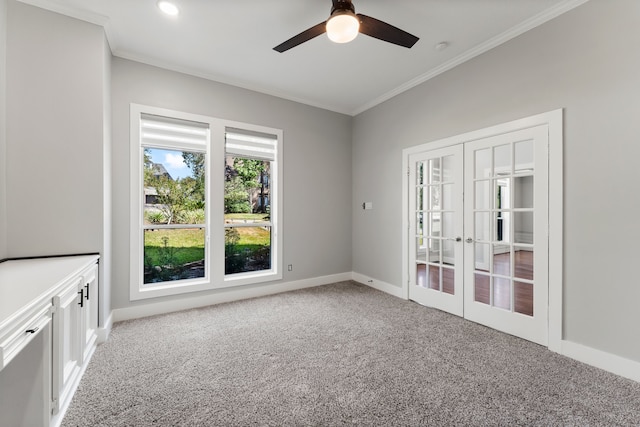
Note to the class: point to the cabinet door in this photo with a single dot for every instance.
(67, 345)
(89, 309)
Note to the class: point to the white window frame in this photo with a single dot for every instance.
(215, 154)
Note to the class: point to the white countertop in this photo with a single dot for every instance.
(25, 282)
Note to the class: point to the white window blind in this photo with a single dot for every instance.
(162, 131)
(251, 145)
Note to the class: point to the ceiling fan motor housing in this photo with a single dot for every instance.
(342, 6)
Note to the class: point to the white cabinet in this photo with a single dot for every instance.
(89, 309)
(67, 345)
(48, 332)
(75, 323)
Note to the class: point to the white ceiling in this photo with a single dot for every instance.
(231, 41)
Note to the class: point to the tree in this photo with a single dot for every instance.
(196, 162)
(236, 197)
(252, 172)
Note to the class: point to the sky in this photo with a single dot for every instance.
(172, 161)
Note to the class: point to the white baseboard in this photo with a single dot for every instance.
(104, 331)
(601, 359)
(396, 291)
(222, 296)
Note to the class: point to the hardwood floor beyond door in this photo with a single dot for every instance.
(522, 291)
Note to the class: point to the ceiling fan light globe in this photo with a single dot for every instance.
(343, 27)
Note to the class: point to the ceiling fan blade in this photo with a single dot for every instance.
(304, 36)
(386, 32)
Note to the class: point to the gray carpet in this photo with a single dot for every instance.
(342, 354)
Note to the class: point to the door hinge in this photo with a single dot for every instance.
(52, 309)
(54, 406)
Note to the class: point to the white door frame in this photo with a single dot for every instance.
(554, 122)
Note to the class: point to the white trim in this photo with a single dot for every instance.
(600, 359)
(556, 231)
(388, 288)
(104, 331)
(215, 149)
(554, 122)
(222, 296)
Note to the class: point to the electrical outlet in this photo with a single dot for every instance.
(290, 267)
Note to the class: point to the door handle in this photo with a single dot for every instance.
(469, 240)
(454, 239)
(81, 292)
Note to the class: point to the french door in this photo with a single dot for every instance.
(436, 205)
(479, 227)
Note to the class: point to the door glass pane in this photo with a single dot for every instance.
(482, 226)
(523, 227)
(420, 179)
(434, 197)
(434, 171)
(523, 298)
(524, 156)
(421, 275)
(481, 288)
(421, 249)
(448, 168)
(502, 260)
(502, 193)
(482, 195)
(448, 252)
(502, 227)
(448, 280)
(523, 192)
(434, 277)
(447, 224)
(447, 197)
(422, 197)
(434, 251)
(502, 160)
(420, 231)
(502, 293)
(483, 163)
(523, 263)
(482, 257)
(435, 224)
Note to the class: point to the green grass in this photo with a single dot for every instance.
(187, 244)
(253, 236)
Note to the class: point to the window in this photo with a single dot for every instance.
(247, 212)
(205, 203)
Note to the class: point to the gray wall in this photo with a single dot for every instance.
(317, 162)
(585, 61)
(3, 128)
(55, 124)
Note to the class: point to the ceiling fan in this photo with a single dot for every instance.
(344, 25)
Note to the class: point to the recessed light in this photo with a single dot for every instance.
(441, 46)
(168, 8)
